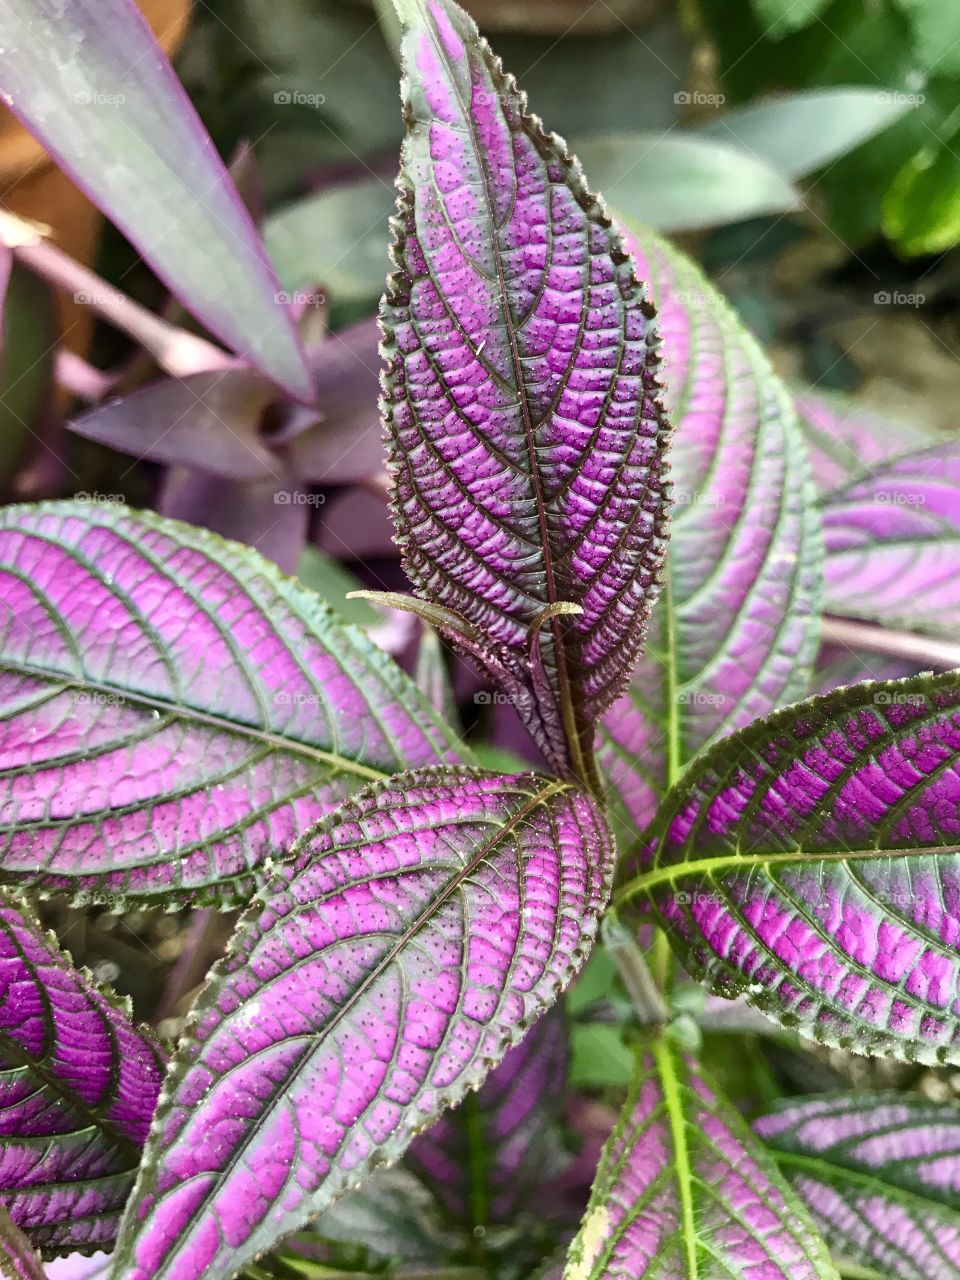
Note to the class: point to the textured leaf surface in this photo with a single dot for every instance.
(893, 542)
(521, 393)
(881, 1175)
(18, 1258)
(483, 1159)
(173, 710)
(91, 82)
(811, 862)
(416, 935)
(78, 1087)
(685, 1192)
(735, 633)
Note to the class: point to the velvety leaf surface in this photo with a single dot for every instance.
(811, 863)
(685, 1192)
(91, 82)
(78, 1087)
(893, 542)
(844, 439)
(173, 710)
(521, 393)
(415, 936)
(735, 633)
(483, 1159)
(18, 1258)
(880, 1174)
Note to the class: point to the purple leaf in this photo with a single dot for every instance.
(18, 1258)
(526, 437)
(174, 710)
(78, 1087)
(837, 667)
(684, 1190)
(347, 445)
(810, 862)
(735, 634)
(414, 937)
(893, 542)
(483, 1159)
(843, 438)
(209, 420)
(90, 81)
(880, 1173)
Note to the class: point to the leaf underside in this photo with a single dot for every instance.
(685, 1192)
(414, 937)
(173, 710)
(811, 862)
(78, 1086)
(735, 633)
(525, 433)
(880, 1174)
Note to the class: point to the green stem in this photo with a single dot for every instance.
(648, 1003)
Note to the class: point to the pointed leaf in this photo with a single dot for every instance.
(483, 1159)
(844, 439)
(78, 1086)
(173, 710)
(685, 1192)
(811, 863)
(415, 936)
(18, 1258)
(91, 82)
(893, 542)
(735, 634)
(880, 1174)
(526, 437)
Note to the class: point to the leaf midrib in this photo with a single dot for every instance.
(205, 719)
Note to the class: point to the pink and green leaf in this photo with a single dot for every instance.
(78, 1087)
(484, 1159)
(525, 430)
(844, 439)
(810, 862)
(174, 711)
(410, 942)
(91, 82)
(684, 1191)
(893, 541)
(735, 633)
(18, 1258)
(880, 1174)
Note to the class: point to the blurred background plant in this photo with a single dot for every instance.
(209, 349)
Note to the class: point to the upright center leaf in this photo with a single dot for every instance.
(526, 437)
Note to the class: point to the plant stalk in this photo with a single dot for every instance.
(928, 651)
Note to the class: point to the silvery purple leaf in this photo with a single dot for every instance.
(810, 862)
(483, 1159)
(91, 82)
(209, 420)
(174, 710)
(685, 1192)
(844, 439)
(78, 1087)
(893, 541)
(413, 938)
(526, 435)
(18, 1258)
(880, 1173)
(735, 633)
